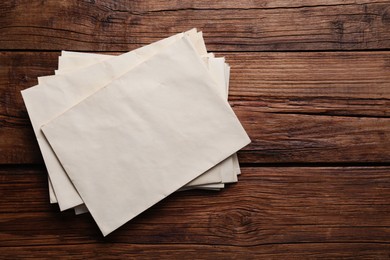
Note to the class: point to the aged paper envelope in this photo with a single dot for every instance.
(180, 127)
(44, 102)
(59, 93)
(73, 60)
(220, 72)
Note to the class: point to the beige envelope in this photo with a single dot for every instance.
(71, 61)
(218, 69)
(77, 60)
(145, 135)
(44, 102)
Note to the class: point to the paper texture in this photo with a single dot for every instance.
(128, 139)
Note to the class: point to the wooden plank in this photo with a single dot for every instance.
(18, 71)
(326, 83)
(269, 205)
(305, 138)
(296, 107)
(228, 26)
(177, 251)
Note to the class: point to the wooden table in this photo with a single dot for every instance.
(310, 82)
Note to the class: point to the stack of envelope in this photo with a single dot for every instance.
(120, 133)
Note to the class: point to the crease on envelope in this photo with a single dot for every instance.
(193, 123)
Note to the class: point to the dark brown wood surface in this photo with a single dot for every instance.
(310, 82)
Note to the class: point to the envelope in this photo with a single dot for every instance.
(218, 69)
(145, 135)
(220, 72)
(213, 176)
(44, 102)
(72, 60)
(35, 97)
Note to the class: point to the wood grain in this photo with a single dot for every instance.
(297, 107)
(326, 83)
(285, 205)
(228, 25)
(178, 251)
(311, 85)
(283, 212)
